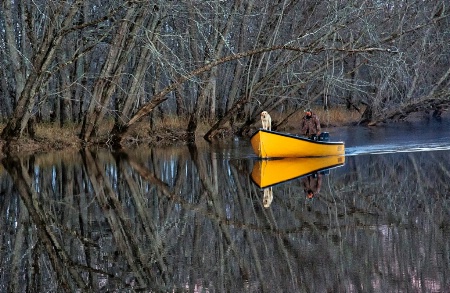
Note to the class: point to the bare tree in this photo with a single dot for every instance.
(45, 55)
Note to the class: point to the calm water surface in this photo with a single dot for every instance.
(191, 219)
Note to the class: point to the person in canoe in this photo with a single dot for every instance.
(310, 125)
(312, 184)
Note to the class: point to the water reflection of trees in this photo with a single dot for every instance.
(173, 220)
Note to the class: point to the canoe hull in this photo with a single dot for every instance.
(272, 144)
(267, 173)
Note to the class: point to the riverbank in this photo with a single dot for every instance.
(51, 137)
(168, 131)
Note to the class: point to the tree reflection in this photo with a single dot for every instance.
(172, 220)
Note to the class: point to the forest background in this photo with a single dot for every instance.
(112, 72)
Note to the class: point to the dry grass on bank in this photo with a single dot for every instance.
(58, 137)
(336, 116)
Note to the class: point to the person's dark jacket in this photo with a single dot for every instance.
(310, 126)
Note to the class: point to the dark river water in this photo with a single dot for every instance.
(193, 219)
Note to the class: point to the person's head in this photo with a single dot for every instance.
(308, 112)
(309, 194)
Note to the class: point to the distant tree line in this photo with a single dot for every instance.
(84, 61)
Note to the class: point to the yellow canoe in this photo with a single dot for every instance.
(267, 173)
(272, 144)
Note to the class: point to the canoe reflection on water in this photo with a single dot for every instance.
(267, 173)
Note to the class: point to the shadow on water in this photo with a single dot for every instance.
(191, 220)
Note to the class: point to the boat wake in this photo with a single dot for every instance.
(395, 148)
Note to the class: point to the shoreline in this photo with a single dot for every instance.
(50, 137)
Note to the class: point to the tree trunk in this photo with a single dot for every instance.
(239, 68)
(106, 84)
(38, 76)
(16, 60)
(208, 93)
